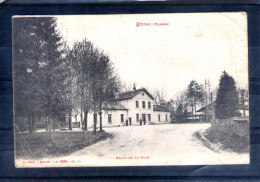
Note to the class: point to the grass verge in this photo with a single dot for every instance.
(227, 142)
(52, 144)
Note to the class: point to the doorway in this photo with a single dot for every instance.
(143, 118)
(130, 121)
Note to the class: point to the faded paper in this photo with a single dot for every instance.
(158, 55)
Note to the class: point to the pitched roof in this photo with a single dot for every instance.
(114, 106)
(131, 94)
(208, 106)
(160, 108)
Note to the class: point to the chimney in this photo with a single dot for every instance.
(134, 87)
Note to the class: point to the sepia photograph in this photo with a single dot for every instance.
(130, 90)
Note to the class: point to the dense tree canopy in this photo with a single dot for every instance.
(52, 80)
(97, 82)
(195, 94)
(38, 69)
(227, 100)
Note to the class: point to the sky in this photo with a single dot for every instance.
(193, 46)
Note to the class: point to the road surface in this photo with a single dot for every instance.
(167, 144)
(149, 145)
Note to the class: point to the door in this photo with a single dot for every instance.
(143, 118)
(130, 121)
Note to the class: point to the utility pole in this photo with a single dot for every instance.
(206, 101)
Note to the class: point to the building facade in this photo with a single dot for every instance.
(208, 112)
(130, 108)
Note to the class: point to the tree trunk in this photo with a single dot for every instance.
(82, 123)
(100, 120)
(86, 120)
(195, 111)
(244, 110)
(70, 127)
(53, 124)
(95, 123)
(192, 112)
(33, 123)
(81, 98)
(46, 123)
(29, 120)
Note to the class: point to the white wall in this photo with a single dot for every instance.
(162, 117)
(132, 110)
(130, 104)
(115, 118)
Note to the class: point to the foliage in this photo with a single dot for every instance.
(160, 97)
(105, 83)
(227, 100)
(97, 82)
(180, 114)
(52, 79)
(38, 69)
(195, 94)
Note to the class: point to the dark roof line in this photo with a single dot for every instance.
(114, 106)
(115, 109)
(131, 94)
(203, 108)
(160, 108)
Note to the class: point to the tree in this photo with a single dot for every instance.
(105, 83)
(70, 85)
(195, 94)
(178, 113)
(243, 99)
(84, 56)
(227, 100)
(181, 99)
(209, 96)
(180, 102)
(36, 68)
(24, 68)
(125, 87)
(159, 96)
(170, 104)
(53, 71)
(97, 82)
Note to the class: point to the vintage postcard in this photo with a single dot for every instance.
(131, 90)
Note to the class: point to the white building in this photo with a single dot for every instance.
(128, 109)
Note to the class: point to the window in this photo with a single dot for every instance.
(149, 117)
(159, 117)
(143, 117)
(143, 104)
(166, 117)
(137, 104)
(122, 118)
(149, 105)
(109, 118)
(137, 117)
